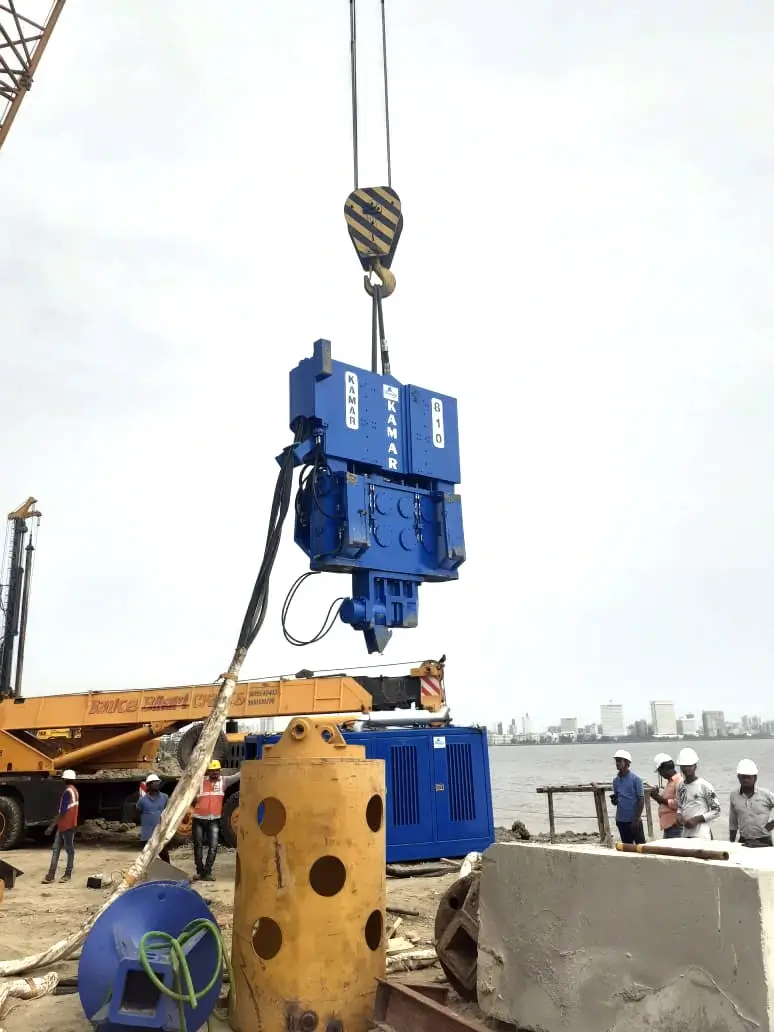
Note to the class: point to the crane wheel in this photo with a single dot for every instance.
(187, 744)
(11, 822)
(229, 821)
(185, 826)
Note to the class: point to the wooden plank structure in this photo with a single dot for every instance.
(599, 792)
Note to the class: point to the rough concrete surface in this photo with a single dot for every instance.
(590, 940)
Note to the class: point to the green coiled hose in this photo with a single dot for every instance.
(184, 991)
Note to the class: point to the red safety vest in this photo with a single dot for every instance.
(210, 800)
(69, 819)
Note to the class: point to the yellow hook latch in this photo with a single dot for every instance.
(387, 278)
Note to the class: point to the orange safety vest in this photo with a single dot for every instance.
(210, 800)
(69, 819)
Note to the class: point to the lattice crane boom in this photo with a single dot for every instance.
(25, 30)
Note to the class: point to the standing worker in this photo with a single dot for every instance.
(750, 810)
(697, 804)
(64, 826)
(208, 809)
(150, 806)
(667, 798)
(629, 799)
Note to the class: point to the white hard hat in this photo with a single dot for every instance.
(687, 758)
(622, 754)
(661, 758)
(68, 775)
(152, 779)
(746, 767)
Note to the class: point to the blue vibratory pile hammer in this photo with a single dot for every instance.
(376, 497)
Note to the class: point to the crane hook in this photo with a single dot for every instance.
(387, 278)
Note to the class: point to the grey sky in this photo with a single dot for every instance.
(585, 265)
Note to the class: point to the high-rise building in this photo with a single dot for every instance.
(568, 725)
(640, 728)
(266, 725)
(664, 719)
(688, 725)
(526, 725)
(714, 722)
(611, 717)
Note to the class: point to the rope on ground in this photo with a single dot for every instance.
(178, 805)
(27, 989)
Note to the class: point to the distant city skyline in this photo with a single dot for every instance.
(663, 724)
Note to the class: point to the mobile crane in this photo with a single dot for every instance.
(99, 732)
(120, 731)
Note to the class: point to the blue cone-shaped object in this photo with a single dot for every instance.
(115, 990)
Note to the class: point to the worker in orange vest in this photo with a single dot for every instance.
(208, 809)
(65, 826)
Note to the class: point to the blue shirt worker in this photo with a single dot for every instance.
(629, 799)
(150, 806)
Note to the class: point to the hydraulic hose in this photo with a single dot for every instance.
(184, 991)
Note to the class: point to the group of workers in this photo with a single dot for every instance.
(688, 804)
(205, 830)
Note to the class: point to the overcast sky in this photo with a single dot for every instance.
(586, 264)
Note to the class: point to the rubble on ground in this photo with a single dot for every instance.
(518, 832)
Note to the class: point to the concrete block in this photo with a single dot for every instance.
(584, 939)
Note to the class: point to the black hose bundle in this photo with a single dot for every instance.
(259, 600)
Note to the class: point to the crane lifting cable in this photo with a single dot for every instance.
(373, 214)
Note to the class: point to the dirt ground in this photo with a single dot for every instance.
(34, 916)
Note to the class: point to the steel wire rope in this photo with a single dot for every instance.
(353, 91)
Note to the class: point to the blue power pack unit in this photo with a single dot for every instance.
(439, 793)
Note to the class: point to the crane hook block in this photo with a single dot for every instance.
(377, 495)
(375, 223)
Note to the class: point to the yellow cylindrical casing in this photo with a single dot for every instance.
(310, 893)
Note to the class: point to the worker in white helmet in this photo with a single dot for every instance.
(751, 808)
(697, 803)
(628, 798)
(63, 829)
(150, 806)
(666, 796)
